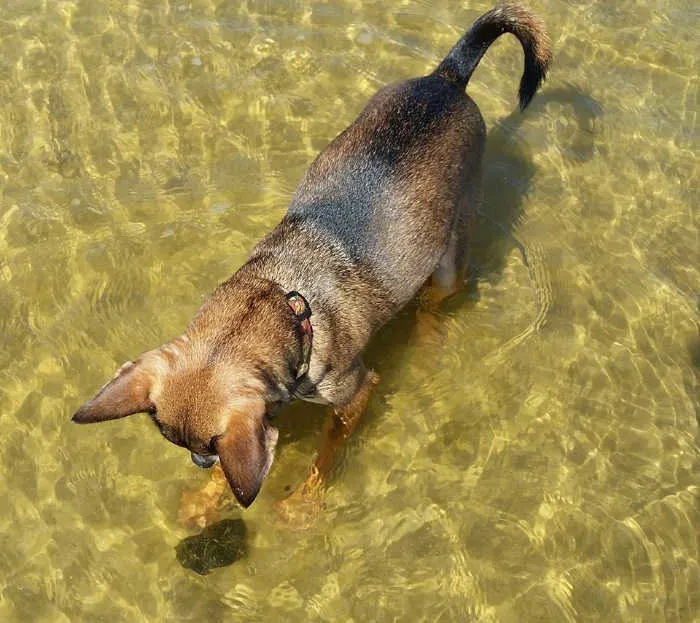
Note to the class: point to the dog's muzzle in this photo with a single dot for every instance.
(201, 460)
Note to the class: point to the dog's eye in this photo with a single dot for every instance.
(211, 446)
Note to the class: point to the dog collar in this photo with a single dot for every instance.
(302, 310)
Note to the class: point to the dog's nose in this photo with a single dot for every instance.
(204, 461)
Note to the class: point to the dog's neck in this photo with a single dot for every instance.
(251, 319)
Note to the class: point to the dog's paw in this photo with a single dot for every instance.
(201, 507)
(430, 330)
(301, 509)
(195, 512)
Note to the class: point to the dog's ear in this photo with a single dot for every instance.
(127, 393)
(246, 452)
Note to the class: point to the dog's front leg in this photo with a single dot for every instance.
(200, 507)
(341, 424)
(301, 508)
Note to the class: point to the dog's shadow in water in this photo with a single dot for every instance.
(509, 173)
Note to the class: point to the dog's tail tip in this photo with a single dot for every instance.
(537, 48)
(516, 19)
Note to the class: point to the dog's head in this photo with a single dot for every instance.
(213, 389)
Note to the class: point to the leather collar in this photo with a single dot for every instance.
(302, 310)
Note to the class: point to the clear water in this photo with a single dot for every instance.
(539, 463)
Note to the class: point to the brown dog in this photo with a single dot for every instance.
(386, 205)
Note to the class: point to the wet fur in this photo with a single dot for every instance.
(386, 205)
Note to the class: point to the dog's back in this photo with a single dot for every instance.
(390, 187)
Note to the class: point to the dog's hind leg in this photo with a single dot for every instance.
(443, 283)
(449, 276)
(351, 394)
(446, 277)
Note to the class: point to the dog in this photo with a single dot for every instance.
(385, 208)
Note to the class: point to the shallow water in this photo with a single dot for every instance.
(538, 463)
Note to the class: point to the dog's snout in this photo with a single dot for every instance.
(201, 460)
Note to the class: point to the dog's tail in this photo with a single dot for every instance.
(463, 58)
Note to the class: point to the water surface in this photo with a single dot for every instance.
(537, 463)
